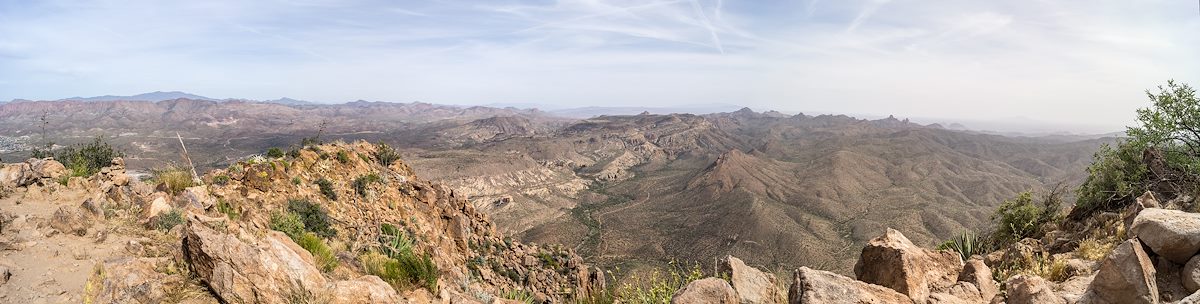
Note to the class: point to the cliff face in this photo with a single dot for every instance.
(220, 237)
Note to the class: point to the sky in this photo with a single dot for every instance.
(1073, 62)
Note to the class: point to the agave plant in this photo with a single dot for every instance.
(966, 245)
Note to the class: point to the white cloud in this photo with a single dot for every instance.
(970, 59)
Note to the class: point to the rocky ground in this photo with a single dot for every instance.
(1155, 261)
(106, 238)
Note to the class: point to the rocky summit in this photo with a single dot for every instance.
(335, 223)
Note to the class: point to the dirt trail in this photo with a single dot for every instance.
(47, 266)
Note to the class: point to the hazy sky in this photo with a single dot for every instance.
(1066, 61)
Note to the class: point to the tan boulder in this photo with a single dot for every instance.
(364, 289)
(198, 197)
(129, 280)
(156, 206)
(236, 271)
(15, 175)
(71, 220)
(816, 286)
(1190, 275)
(961, 292)
(1027, 289)
(976, 272)
(893, 261)
(48, 168)
(1127, 275)
(1170, 233)
(752, 285)
(1073, 288)
(705, 291)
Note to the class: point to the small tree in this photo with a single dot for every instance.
(1119, 173)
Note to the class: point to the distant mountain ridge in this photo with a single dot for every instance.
(152, 96)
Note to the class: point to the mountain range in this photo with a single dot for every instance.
(632, 190)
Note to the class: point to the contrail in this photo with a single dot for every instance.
(708, 24)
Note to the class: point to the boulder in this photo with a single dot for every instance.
(71, 220)
(154, 207)
(47, 168)
(977, 273)
(1167, 278)
(752, 285)
(705, 291)
(198, 197)
(1170, 233)
(817, 286)
(893, 261)
(1127, 275)
(129, 280)
(16, 175)
(364, 289)
(236, 271)
(1027, 289)
(961, 292)
(1073, 288)
(1190, 275)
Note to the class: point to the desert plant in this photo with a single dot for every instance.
(519, 295)
(220, 180)
(174, 179)
(393, 241)
(966, 245)
(657, 287)
(402, 272)
(83, 159)
(386, 154)
(288, 223)
(1095, 249)
(274, 153)
(168, 220)
(361, 183)
(313, 216)
(1023, 217)
(324, 256)
(228, 209)
(326, 188)
(343, 157)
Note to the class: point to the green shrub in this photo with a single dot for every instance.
(220, 180)
(398, 264)
(327, 189)
(324, 256)
(402, 272)
(314, 217)
(1170, 127)
(343, 157)
(274, 153)
(296, 180)
(385, 154)
(657, 287)
(228, 209)
(288, 223)
(83, 159)
(175, 179)
(1021, 217)
(168, 220)
(361, 183)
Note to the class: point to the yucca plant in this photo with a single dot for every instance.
(965, 244)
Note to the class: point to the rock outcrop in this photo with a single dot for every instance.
(1125, 276)
(706, 291)
(240, 272)
(752, 285)
(976, 272)
(893, 261)
(817, 286)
